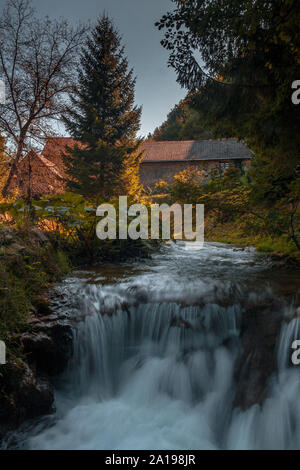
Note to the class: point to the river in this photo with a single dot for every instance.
(188, 350)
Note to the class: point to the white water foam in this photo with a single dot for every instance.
(154, 360)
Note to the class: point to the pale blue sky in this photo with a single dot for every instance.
(156, 89)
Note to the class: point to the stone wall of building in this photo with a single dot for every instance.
(152, 172)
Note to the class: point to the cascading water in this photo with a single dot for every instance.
(155, 358)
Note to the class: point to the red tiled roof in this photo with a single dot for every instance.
(43, 176)
(54, 148)
(51, 166)
(226, 149)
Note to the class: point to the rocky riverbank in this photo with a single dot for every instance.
(27, 383)
(38, 343)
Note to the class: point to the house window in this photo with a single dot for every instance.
(224, 165)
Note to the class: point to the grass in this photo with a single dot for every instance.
(239, 233)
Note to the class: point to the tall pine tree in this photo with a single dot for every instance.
(104, 119)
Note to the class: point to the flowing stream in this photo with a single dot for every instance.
(190, 350)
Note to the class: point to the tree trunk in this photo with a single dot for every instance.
(13, 172)
(14, 168)
(293, 234)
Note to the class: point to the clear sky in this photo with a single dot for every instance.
(156, 89)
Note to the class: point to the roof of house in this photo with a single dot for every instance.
(51, 166)
(43, 176)
(225, 149)
(48, 173)
(55, 146)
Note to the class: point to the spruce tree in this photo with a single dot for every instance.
(103, 119)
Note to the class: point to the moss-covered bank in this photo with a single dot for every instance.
(239, 233)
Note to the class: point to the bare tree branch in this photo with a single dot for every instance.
(38, 59)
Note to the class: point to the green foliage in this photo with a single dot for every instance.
(280, 244)
(248, 230)
(220, 180)
(276, 189)
(231, 201)
(162, 187)
(70, 220)
(250, 52)
(183, 123)
(104, 119)
(187, 186)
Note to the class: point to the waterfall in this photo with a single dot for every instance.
(155, 360)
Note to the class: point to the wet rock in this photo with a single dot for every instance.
(180, 322)
(26, 387)
(48, 346)
(142, 296)
(257, 361)
(42, 306)
(252, 375)
(35, 395)
(24, 396)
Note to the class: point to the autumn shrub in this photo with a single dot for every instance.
(187, 186)
(162, 187)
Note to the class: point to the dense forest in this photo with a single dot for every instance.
(183, 123)
(243, 88)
